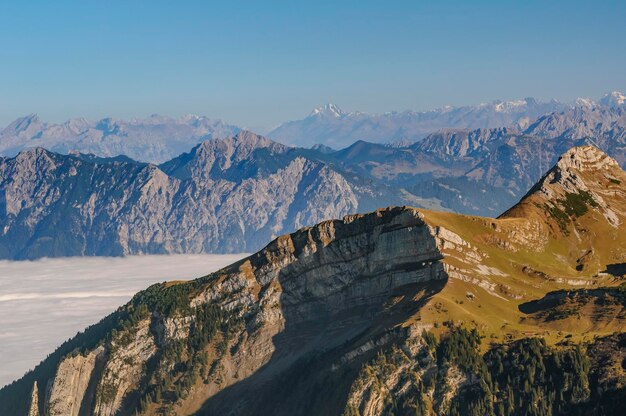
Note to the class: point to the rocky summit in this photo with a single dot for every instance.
(399, 311)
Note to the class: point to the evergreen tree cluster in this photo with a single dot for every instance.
(522, 378)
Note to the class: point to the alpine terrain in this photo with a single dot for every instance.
(398, 311)
(225, 195)
(234, 194)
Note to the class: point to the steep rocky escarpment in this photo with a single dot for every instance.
(399, 311)
(323, 288)
(66, 392)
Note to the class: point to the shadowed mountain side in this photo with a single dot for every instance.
(304, 375)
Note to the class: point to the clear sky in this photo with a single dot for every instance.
(258, 63)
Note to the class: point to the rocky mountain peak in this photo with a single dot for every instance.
(33, 153)
(613, 99)
(583, 102)
(227, 151)
(22, 125)
(329, 109)
(586, 158)
(585, 180)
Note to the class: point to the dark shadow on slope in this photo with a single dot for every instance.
(616, 269)
(299, 378)
(563, 304)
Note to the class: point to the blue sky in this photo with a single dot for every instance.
(257, 63)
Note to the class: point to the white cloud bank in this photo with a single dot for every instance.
(45, 302)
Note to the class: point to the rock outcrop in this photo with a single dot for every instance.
(33, 409)
(67, 390)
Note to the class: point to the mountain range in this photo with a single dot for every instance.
(225, 195)
(153, 139)
(483, 171)
(157, 139)
(236, 193)
(330, 126)
(398, 311)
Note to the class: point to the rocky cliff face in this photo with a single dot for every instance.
(68, 389)
(229, 195)
(316, 289)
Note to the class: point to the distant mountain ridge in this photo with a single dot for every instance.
(153, 139)
(157, 139)
(234, 194)
(225, 195)
(330, 126)
(483, 171)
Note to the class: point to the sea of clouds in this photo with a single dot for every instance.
(47, 301)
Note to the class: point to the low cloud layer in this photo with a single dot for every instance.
(45, 302)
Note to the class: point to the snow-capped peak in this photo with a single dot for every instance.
(613, 99)
(507, 106)
(584, 102)
(328, 110)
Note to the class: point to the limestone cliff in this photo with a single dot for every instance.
(67, 391)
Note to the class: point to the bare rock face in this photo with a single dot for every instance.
(34, 401)
(124, 368)
(67, 390)
(586, 158)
